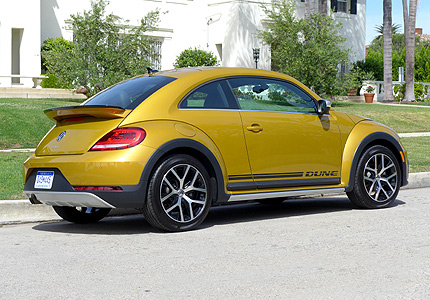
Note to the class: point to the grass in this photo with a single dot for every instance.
(401, 118)
(418, 153)
(23, 123)
(11, 182)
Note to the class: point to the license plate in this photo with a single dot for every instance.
(44, 180)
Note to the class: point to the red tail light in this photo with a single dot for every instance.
(120, 138)
(97, 188)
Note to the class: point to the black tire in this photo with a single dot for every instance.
(179, 194)
(81, 215)
(377, 179)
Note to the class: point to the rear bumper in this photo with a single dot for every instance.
(62, 193)
(68, 199)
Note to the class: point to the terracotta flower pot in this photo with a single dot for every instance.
(368, 97)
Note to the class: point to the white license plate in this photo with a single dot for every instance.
(44, 180)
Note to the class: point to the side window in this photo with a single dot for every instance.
(270, 95)
(209, 96)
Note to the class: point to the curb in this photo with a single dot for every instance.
(22, 211)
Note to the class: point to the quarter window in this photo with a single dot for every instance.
(209, 96)
(270, 95)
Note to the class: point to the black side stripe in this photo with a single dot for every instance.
(236, 186)
(265, 176)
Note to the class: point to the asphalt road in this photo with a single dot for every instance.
(310, 249)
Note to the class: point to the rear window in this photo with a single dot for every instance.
(129, 94)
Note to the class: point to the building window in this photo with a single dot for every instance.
(155, 57)
(345, 6)
(341, 6)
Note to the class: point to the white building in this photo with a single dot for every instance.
(227, 28)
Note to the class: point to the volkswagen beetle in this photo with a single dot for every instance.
(174, 143)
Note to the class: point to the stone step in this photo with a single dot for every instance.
(39, 93)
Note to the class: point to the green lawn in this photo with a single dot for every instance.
(23, 123)
(400, 118)
(418, 149)
(11, 182)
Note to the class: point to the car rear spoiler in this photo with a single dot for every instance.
(97, 111)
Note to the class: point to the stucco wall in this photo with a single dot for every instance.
(227, 28)
(27, 22)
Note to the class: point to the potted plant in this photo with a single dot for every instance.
(369, 94)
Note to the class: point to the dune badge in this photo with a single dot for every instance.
(61, 136)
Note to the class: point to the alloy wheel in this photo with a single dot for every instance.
(380, 177)
(183, 193)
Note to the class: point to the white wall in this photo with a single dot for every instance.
(24, 15)
(354, 30)
(353, 27)
(227, 28)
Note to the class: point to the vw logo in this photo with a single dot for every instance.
(60, 136)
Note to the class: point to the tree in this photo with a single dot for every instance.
(322, 7)
(54, 45)
(309, 50)
(388, 52)
(195, 58)
(105, 49)
(309, 8)
(409, 19)
(380, 29)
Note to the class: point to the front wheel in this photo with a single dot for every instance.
(81, 215)
(377, 179)
(179, 194)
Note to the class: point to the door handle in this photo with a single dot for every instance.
(255, 128)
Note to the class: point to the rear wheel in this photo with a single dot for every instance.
(81, 215)
(377, 179)
(179, 194)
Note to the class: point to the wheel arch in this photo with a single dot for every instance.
(382, 139)
(192, 148)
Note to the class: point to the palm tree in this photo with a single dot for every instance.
(409, 20)
(388, 52)
(380, 29)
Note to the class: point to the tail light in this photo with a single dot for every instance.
(97, 188)
(120, 138)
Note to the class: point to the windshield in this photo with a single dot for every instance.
(129, 94)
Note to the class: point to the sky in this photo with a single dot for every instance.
(374, 14)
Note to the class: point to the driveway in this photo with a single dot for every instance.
(309, 249)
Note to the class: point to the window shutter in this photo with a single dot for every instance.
(353, 9)
(334, 5)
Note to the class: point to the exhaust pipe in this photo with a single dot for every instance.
(33, 199)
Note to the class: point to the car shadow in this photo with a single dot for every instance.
(219, 215)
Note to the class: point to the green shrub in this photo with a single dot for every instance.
(195, 58)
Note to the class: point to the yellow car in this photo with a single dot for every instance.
(174, 143)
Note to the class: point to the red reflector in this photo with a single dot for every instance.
(97, 188)
(74, 119)
(120, 138)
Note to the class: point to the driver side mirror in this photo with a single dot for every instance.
(323, 106)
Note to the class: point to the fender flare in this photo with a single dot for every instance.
(364, 144)
(169, 146)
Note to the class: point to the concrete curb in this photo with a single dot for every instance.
(22, 211)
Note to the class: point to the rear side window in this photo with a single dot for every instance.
(213, 95)
(129, 94)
